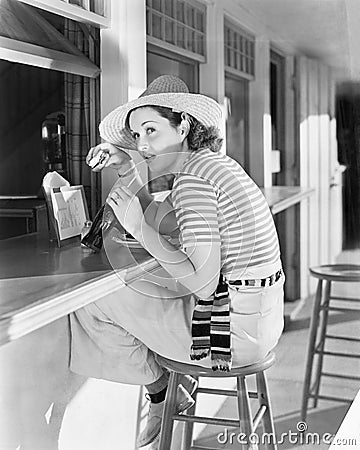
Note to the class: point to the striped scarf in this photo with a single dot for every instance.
(210, 328)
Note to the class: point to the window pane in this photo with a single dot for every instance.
(148, 22)
(169, 31)
(180, 36)
(238, 61)
(180, 11)
(76, 2)
(200, 21)
(158, 65)
(169, 10)
(200, 44)
(156, 26)
(97, 6)
(190, 16)
(156, 4)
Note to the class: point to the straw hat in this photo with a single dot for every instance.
(168, 91)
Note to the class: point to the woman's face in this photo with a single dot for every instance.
(158, 142)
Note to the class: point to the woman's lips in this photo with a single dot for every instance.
(148, 158)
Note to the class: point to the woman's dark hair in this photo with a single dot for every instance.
(199, 136)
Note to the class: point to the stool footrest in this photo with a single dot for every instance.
(349, 299)
(208, 420)
(337, 308)
(326, 352)
(342, 338)
(227, 392)
(339, 375)
(328, 397)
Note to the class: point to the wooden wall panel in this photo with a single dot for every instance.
(324, 160)
(302, 124)
(287, 222)
(313, 121)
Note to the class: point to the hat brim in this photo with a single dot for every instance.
(204, 109)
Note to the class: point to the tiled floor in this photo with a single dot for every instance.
(286, 380)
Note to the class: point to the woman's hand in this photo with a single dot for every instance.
(127, 209)
(115, 157)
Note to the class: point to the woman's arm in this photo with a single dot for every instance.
(159, 215)
(197, 269)
(119, 160)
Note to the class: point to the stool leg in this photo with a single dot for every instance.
(268, 423)
(189, 426)
(310, 350)
(324, 320)
(245, 417)
(167, 422)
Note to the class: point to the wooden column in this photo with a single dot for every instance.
(123, 63)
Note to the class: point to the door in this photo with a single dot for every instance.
(161, 62)
(237, 101)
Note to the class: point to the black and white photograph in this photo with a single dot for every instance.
(179, 224)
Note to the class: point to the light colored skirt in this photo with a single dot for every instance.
(115, 338)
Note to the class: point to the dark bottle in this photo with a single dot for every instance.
(94, 238)
(104, 221)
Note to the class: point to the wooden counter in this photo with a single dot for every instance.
(280, 198)
(40, 283)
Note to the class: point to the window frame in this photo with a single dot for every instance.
(235, 28)
(278, 60)
(169, 53)
(173, 48)
(74, 12)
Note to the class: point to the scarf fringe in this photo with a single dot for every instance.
(223, 364)
(197, 354)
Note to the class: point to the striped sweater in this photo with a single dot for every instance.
(215, 201)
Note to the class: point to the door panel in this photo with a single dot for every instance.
(237, 98)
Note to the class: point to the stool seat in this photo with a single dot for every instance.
(337, 272)
(199, 371)
(246, 422)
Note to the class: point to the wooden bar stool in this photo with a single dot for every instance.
(327, 274)
(246, 423)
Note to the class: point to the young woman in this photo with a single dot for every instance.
(228, 309)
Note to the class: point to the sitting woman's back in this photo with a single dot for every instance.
(216, 201)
